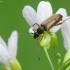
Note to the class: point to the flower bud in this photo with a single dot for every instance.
(67, 56)
(44, 40)
(15, 65)
(58, 61)
(53, 40)
(58, 55)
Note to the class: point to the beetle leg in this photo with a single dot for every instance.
(41, 38)
(36, 24)
(61, 22)
(34, 30)
(57, 24)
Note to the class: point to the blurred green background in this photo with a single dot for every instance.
(11, 19)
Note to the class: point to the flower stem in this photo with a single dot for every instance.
(56, 58)
(65, 65)
(48, 58)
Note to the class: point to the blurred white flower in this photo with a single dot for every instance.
(65, 29)
(8, 52)
(44, 11)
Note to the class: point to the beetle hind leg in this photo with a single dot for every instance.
(57, 24)
(61, 22)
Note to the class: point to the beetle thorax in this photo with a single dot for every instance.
(40, 30)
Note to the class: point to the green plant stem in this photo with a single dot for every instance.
(48, 58)
(56, 58)
(65, 65)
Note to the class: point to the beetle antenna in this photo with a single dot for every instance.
(23, 33)
(38, 50)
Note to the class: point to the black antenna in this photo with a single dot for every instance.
(23, 33)
(37, 50)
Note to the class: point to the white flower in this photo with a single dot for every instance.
(8, 52)
(65, 29)
(44, 11)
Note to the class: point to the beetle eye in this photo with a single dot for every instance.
(32, 34)
(36, 35)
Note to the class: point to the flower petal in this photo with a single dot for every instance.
(55, 28)
(12, 44)
(65, 29)
(44, 11)
(61, 11)
(31, 31)
(3, 43)
(4, 56)
(30, 15)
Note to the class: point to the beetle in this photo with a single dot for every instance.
(47, 24)
(43, 20)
